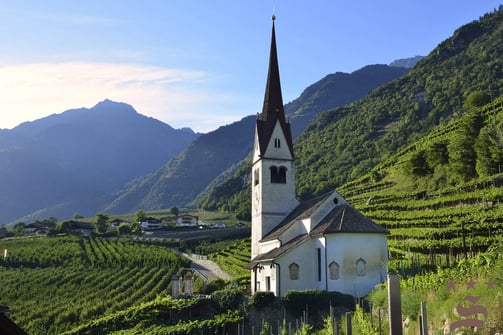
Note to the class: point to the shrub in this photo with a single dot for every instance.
(212, 286)
(228, 299)
(262, 299)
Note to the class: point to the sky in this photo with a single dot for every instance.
(200, 64)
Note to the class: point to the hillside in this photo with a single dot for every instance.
(217, 154)
(63, 163)
(346, 142)
(441, 187)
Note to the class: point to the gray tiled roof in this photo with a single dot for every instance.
(346, 219)
(341, 219)
(302, 211)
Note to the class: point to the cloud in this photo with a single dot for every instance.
(179, 97)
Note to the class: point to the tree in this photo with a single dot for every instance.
(65, 227)
(462, 157)
(174, 210)
(101, 223)
(19, 228)
(124, 229)
(140, 216)
(489, 149)
(478, 99)
(417, 164)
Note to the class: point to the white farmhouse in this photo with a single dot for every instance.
(321, 244)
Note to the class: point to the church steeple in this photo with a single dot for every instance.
(273, 175)
(273, 100)
(272, 110)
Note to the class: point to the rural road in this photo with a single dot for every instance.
(208, 268)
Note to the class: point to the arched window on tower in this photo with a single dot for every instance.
(333, 267)
(277, 143)
(256, 177)
(278, 174)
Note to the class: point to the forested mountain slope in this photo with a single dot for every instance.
(218, 153)
(346, 142)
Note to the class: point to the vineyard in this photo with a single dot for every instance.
(55, 284)
(234, 257)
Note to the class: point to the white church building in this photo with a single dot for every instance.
(321, 244)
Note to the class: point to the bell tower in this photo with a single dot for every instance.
(273, 177)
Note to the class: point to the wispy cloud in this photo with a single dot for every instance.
(178, 97)
(59, 17)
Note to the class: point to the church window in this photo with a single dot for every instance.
(256, 177)
(267, 283)
(333, 268)
(277, 143)
(360, 267)
(278, 174)
(318, 259)
(294, 271)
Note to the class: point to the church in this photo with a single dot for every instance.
(320, 244)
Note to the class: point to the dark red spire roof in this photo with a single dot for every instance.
(273, 101)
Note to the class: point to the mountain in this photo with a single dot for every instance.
(408, 63)
(66, 161)
(346, 142)
(218, 153)
(337, 89)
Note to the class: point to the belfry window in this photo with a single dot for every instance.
(256, 179)
(277, 143)
(294, 271)
(278, 174)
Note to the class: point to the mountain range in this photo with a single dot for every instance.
(344, 125)
(67, 163)
(111, 159)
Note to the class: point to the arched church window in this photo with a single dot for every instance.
(278, 174)
(333, 268)
(277, 143)
(360, 267)
(294, 271)
(256, 177)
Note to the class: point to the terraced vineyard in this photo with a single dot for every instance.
(55, 284)
(433, 225)
(234, 257)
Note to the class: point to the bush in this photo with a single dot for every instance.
(212, 286)
(228, 299)
(262, 299)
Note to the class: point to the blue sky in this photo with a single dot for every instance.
(200, 64)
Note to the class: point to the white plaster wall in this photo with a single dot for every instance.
(322, 211)
(306, 257)
(268, 246)
(283, 152)
(264, 272)
(346, 249)
(295, 230)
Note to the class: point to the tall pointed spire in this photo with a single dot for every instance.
(273, 100)
(273, 110)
